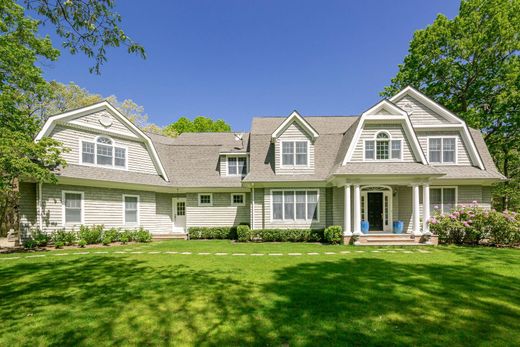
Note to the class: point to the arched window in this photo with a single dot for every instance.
(383, 147)
(103, 152)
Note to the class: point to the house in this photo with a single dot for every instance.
(399, 161)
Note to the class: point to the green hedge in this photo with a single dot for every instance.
(199, 233)
(284, 235)
(334, 234)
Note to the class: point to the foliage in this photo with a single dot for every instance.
(212, 233)
(284, 235)
(82, 243)
(333, 234)
(142, 235)
(58, 244)
(29, 244)
(113, 234)
(40, 238)
(471, 65)
(66, 237)
(91, 235)
(199, 124)
(473, 225)
(106, 240)
(243, 233)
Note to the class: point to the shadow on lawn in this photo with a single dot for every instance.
(362, 301)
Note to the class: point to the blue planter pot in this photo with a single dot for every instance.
(364, 226)
(398, 226)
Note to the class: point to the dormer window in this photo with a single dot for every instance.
(237, 166)
(383, 147)
(442, 150)
(103, 152)
(295, 153)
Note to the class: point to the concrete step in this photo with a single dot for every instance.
(163, 237)
(393, 244)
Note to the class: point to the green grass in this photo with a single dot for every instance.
(450, 296)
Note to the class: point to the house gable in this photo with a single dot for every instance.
(295, 118)
(101, 119)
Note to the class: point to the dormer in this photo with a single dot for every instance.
(234, 164)
(293, 142)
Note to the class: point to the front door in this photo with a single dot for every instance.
(375, 211)
(179, 215)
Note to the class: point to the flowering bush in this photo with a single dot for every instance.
(473, 224)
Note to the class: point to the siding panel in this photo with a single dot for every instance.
(421, 115)
(220, 214)
(92, 120)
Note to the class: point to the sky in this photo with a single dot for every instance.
(235, 59)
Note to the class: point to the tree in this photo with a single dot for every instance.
(199, 124)
(89, 27)
(471, 65)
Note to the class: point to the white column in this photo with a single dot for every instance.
(415, 210)
(347, 230)
(357, 210)
(426, 207)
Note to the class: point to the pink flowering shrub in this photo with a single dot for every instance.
(473, 224)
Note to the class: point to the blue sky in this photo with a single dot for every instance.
(238, 59)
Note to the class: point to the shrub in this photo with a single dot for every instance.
(113, 234)
(29, 244)
(106, 240)
(66, 237)
(58, 244)
(333, 234)
(82, 243)
(243, 233)
(283, 235)
(143, 235)
(127, 236)
(123, 238)
(40, 238)
(91, 234)
(472, 225)
(196, 233)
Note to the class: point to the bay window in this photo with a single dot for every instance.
(294, 205)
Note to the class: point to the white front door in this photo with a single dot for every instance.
(179, 215)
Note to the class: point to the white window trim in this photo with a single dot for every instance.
(390, 139)
(442, 149)
(138, 209)
(95, 164)
(237, 156)
(204, 204)
(442, 196)
(294, 220)
(243, 199)
(295, 166)
(63, 192)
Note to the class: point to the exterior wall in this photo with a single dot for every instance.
(93, 121)
(296, 133)
(138, 158)
(462, 153)
(28, 196)
(396, 131)
(105, 206)
(258, 209)
(467, 194)
(322, 214)
(220, 214)
(420, 115)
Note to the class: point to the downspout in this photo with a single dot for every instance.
(252, 206)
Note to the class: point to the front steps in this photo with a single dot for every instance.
(170, 236)
(390, 240)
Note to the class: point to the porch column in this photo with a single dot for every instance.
(347, 230)
(416, 227)
(426, 207)
(357, 210)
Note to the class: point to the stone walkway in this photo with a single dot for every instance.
(294, 254)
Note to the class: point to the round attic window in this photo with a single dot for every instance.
(105, 120)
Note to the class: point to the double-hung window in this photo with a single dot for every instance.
(295, 153)
(131, 209)
(382, 148)
(72, 207)
(294, 205)
(442, 200)
(442, 149)
(237, 166)
(103, 152)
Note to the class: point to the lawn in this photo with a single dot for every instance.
(363, 296)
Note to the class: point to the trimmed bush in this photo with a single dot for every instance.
(91, 235)
(82, 243)
(333, 234)
(66, 237)
(58, 244)
(284, 235)
(243, 233)
(113, 234)
(29, 244)
(221, 233)
(142, 235)
(40, 238)
(472, 225)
